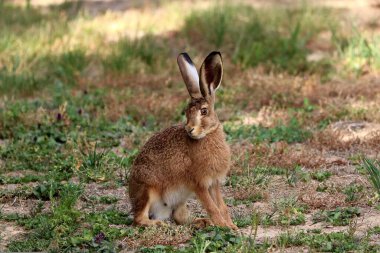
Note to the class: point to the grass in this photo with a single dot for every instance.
(321, 176)
(373, 169)
(274, 38)
(80, 94)
(360, 53)
(333, 242)
(289, 133)
(353, 192)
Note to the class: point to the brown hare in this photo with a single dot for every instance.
(186, 159)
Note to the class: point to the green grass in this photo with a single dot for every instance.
(373, 169)
(290, 133)
(359, 53)
(353, 192)
(322, 242)
(321, 176)
(275, 38)
(137, 56)
(61, 229)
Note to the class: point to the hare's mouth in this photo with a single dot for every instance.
(196, 136)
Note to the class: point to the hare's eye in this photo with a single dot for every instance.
(204, 111)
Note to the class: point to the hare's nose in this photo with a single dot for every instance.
(191, 130)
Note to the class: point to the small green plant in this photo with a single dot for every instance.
(96, 165)
(47, 190)
(353, 192)
(359, 53)
(252, 220)
(337, 217)
(289, 212)
(321, 176)
(295, 175)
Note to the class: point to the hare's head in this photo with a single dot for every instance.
(200, 113)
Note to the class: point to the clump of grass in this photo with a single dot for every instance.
(47, 190)
(94, 167)
(337, 217)
(353, 192)
(373, 169)
(359, 54)
(289, 212)
(286, 212)
(321, 176)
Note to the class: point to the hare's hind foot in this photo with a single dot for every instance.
(181, 215)
(148, 222)
(200, 223)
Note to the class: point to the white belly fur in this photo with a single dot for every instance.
(162, 209)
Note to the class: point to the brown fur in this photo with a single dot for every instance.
(180, 161)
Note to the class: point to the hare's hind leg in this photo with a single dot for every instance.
(141, 217)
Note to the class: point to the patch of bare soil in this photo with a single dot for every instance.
(8, 232)
(98, 190)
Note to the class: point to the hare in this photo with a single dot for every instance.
(186, 159)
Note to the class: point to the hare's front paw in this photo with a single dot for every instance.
(232, 226)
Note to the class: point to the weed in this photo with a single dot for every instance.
(247, 220)
(359, 53)
(295, 175)
(337, 217)
(94, 165)
(373, 169)
(353, 192)
(286, 212)
(47, 190)
(321, 176)
(322, 187)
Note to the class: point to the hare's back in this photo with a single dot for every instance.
(163, 156)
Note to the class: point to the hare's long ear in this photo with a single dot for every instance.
(211, 74)
(189, 75)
